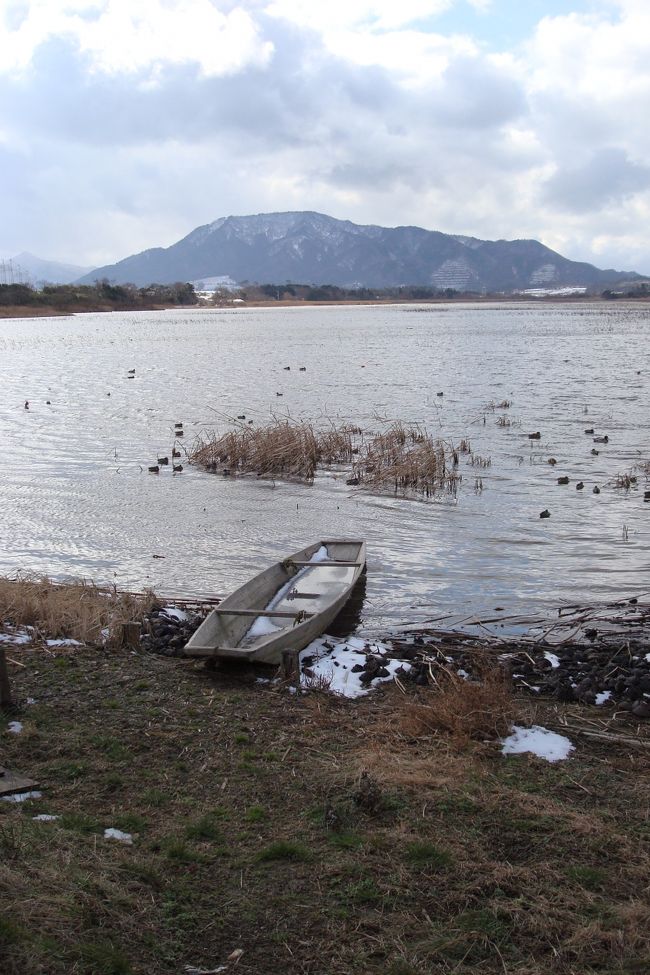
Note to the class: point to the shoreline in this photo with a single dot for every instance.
(48, 311)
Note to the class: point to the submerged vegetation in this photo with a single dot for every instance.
(402, 458)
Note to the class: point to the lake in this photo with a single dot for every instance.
(77, 500)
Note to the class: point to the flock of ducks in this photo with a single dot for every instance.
(565, 480)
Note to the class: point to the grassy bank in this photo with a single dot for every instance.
(315, 835)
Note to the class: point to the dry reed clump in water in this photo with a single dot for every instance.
(464, 709)
(74, 610)
(408, 460)
(281, 449)
(402, 458)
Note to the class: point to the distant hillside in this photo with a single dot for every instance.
(312, 248)
(38, 271)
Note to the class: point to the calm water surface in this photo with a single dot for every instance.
(76, 498)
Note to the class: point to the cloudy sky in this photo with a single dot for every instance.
(124, 124)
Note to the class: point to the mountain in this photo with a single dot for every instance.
(311, 248)
(36, 270)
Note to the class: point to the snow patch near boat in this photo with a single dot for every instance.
(117, 834)
(342, 666)
(22, 796)
(538, 741)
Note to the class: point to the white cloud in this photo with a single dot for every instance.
(367, 14)
(126, 36)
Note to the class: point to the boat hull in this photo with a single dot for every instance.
(283, 608)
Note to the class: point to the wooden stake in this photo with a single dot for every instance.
(5, 686)
(131, 635)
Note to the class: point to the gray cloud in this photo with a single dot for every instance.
(607, 177)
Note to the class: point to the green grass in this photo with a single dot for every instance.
(424, 854)
(204, 829)
(283, 850)
(591, 878)
(103, 958)
(256, 814)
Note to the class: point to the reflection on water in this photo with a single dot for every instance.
(76, 498)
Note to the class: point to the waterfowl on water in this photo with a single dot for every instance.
(595, 452)
(163, 460)
(580, 485)
(552, 461)
(563, 480)
(154, 469)
(604, 439)
(534, 436)
(590, 430)
(177, 468)
(26, 404)
(175, 453)
(596, 489)
(545, 513)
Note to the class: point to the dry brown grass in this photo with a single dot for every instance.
(75, 610)
(466, 710)
(284, 448)
(407, 459)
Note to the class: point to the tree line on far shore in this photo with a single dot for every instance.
(99, 296)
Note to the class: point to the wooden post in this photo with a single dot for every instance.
(291, 666)
(131, 635)
(5, 686)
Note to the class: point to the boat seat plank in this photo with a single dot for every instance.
(328, 562)
(284, 614)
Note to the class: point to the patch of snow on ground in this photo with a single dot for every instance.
(117, 834)
(540, 741)
(14, 727)
(63, 643)
(30, 700)
(176, 614)
(45, 818)
(22, 796)
(333, 661)
(16, 636)
(603, 696)
(552, 659)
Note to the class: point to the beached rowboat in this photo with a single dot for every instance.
(283, 608)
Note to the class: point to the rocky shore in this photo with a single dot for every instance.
(606, 668)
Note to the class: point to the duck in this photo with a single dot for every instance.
(563, 480)
(595, 452)
(604, 439)
(580, 485)
(303, 368)
(163, 460)
(589, 430)
(177, 468)
(175, 452)
(545, 513)
(595, 489)
(552, 461)
(154, 469)
(535, 436)
(26, 404)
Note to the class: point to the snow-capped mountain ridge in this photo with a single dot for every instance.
(307, 247)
